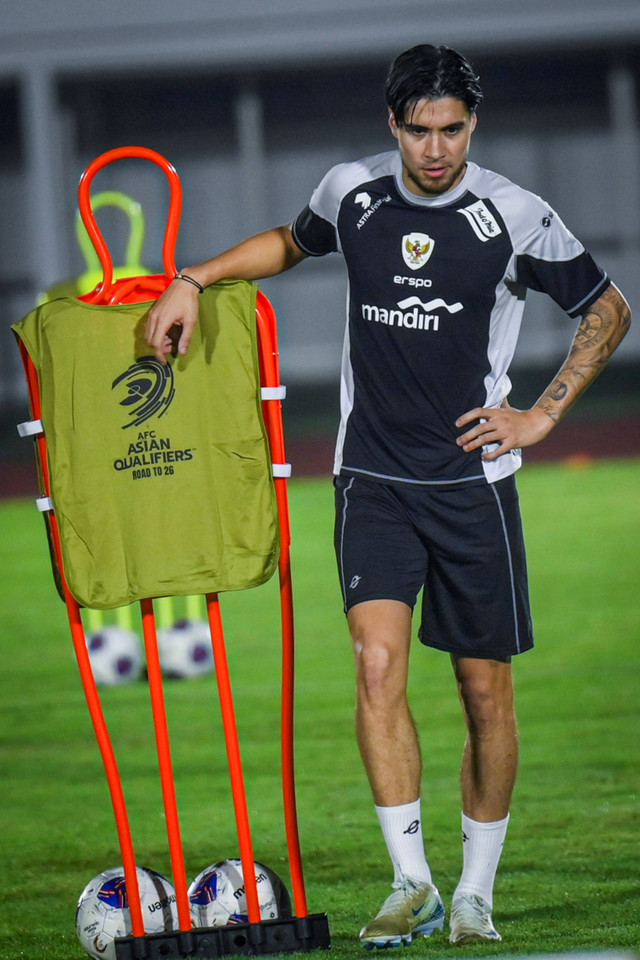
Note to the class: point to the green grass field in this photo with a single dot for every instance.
(569, 875)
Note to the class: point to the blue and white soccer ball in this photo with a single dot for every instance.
(185, 649)
(115, 655)
(217, 895)
(103, 909)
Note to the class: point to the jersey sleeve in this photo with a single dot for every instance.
(551, 260)
(315, 230)
(573, 284)
(314, 235)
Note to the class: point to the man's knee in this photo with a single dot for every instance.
(380, 634)
(486, 692)
(374, 669)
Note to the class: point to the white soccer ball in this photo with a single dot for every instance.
(217, 895)
(185, 649)
(115, 655)
(103, 909)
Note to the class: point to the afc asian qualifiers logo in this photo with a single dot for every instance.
(149, 389)
(416, 249)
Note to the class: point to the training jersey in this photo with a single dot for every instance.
(436, 297)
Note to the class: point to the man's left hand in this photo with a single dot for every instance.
(504, 425)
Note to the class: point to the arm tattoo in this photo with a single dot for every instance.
(558, 390)
(599, 332)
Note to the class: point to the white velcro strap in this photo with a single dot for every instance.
(281, 469)
(30, 427)
(274, 393)
(44, 504)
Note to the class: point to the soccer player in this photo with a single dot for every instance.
(439, 253)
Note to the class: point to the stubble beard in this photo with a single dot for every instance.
(437, 189)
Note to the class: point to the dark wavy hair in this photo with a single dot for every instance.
(426, 72)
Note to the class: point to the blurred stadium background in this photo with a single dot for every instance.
(252, 101)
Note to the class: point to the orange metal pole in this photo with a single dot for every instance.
(164, 761)
(108, 759)
(102, 292)
(288, 765)
(89, 685)
(273, 415)
(233, 756)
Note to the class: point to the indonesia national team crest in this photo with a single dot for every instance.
(416, 249)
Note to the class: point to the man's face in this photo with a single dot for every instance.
(434, 143)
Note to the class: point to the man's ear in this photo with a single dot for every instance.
(393, 126)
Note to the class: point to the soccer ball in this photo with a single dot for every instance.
(217, 896)
(115, 655)
(185, 649)
(103, 909)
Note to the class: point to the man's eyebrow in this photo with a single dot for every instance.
(418, 128)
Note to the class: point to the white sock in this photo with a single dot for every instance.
(482, 845)
(402, 831)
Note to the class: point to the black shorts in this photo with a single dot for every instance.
(462, 545)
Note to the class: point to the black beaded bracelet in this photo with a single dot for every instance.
(184, 276)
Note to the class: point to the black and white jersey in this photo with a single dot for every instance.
(436, 297)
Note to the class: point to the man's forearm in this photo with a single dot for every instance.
(263, 255)
(599, 333)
